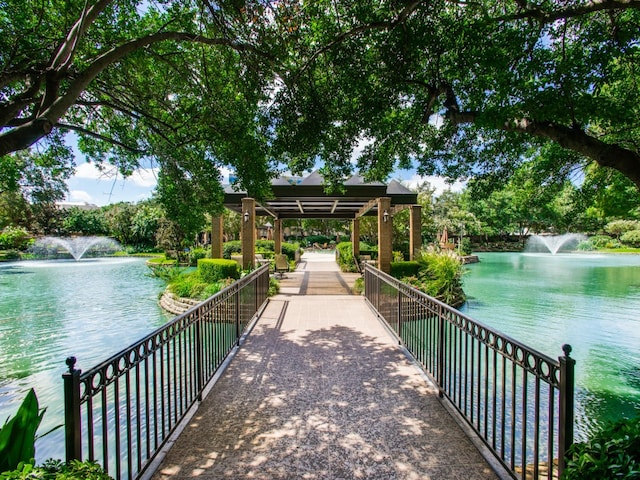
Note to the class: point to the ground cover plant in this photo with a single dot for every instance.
(613, 452)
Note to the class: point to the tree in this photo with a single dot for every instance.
(136, 81)
(465, 88)
(79, 221)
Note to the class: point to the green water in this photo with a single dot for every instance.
(51, 310)
(590, 301)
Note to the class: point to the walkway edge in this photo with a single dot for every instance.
(488, 456)
(153, 466)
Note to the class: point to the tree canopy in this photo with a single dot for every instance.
(457, 88)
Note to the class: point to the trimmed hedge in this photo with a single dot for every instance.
(214, 269)
(405, 269)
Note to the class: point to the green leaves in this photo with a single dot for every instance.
(18, 434)
(611, 453)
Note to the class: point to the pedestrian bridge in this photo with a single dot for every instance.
(318, 383)
(321, 390)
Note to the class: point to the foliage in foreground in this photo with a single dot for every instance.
(18, 434)
(17, 450)
(57, 470)
(611, 453)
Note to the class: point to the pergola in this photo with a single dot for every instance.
(305, 197)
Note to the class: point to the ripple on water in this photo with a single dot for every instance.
(50, 310)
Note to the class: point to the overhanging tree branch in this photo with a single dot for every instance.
(27, 134)
(573, 11)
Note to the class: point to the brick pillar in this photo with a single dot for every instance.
(415, 233)
(248, 232)
(385, 232)
(216, 236)
(277, 235)
(355, 237)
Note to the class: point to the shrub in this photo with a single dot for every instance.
(196, 254)
(274, 287)
(602, 241)
(618, 227)
(14, 238)
(56, 469)
(229, 248)
(213, 269)
(266, 245)
(631, 237)
(189, 285)
(345, 257)
(290, 249)
(404, 269)
(440, 276)
(585, 246)
(612, 452)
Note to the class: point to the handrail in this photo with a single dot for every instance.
(517, 400)
(121, 412)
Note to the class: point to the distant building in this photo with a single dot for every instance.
(80, 205)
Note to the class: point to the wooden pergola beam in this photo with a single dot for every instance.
(366, 207)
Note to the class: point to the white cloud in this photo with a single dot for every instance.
(80, 196)
(439, 183)
(145, 177)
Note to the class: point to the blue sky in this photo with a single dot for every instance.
(90, 185)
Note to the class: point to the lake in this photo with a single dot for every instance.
(590, 301)
(50, 310)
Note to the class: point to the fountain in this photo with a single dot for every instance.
(553, 243)
(76, 246)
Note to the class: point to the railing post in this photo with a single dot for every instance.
(440, 352)
(199, 355)
(399, 315)
(72, 432)
(238, 299)
(567, 386)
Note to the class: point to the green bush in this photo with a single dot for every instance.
(57, 470)
(585, 246)
(345, 257)
(188, 285)
(14, 238)
(290, 249)
(229, 248)
(405, 269)
(213, 269)
(266, 245)
(440, 276)
(611, 453)
(631, 238)
(196, 254)
(602, 241)
(274, 287)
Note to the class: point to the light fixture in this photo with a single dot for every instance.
(385, 216)
(246, 216)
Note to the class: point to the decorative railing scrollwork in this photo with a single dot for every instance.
(518, 400)
(122, 411)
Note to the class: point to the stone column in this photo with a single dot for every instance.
(248, 232)
(415, 233)
(277, 235)
(355, 237)
(385, 232)
(216, 236)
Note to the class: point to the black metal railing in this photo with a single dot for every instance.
(517, 400)
(122, 411)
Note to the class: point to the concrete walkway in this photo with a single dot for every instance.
(320, 390)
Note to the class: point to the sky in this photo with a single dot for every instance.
(90, 185)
